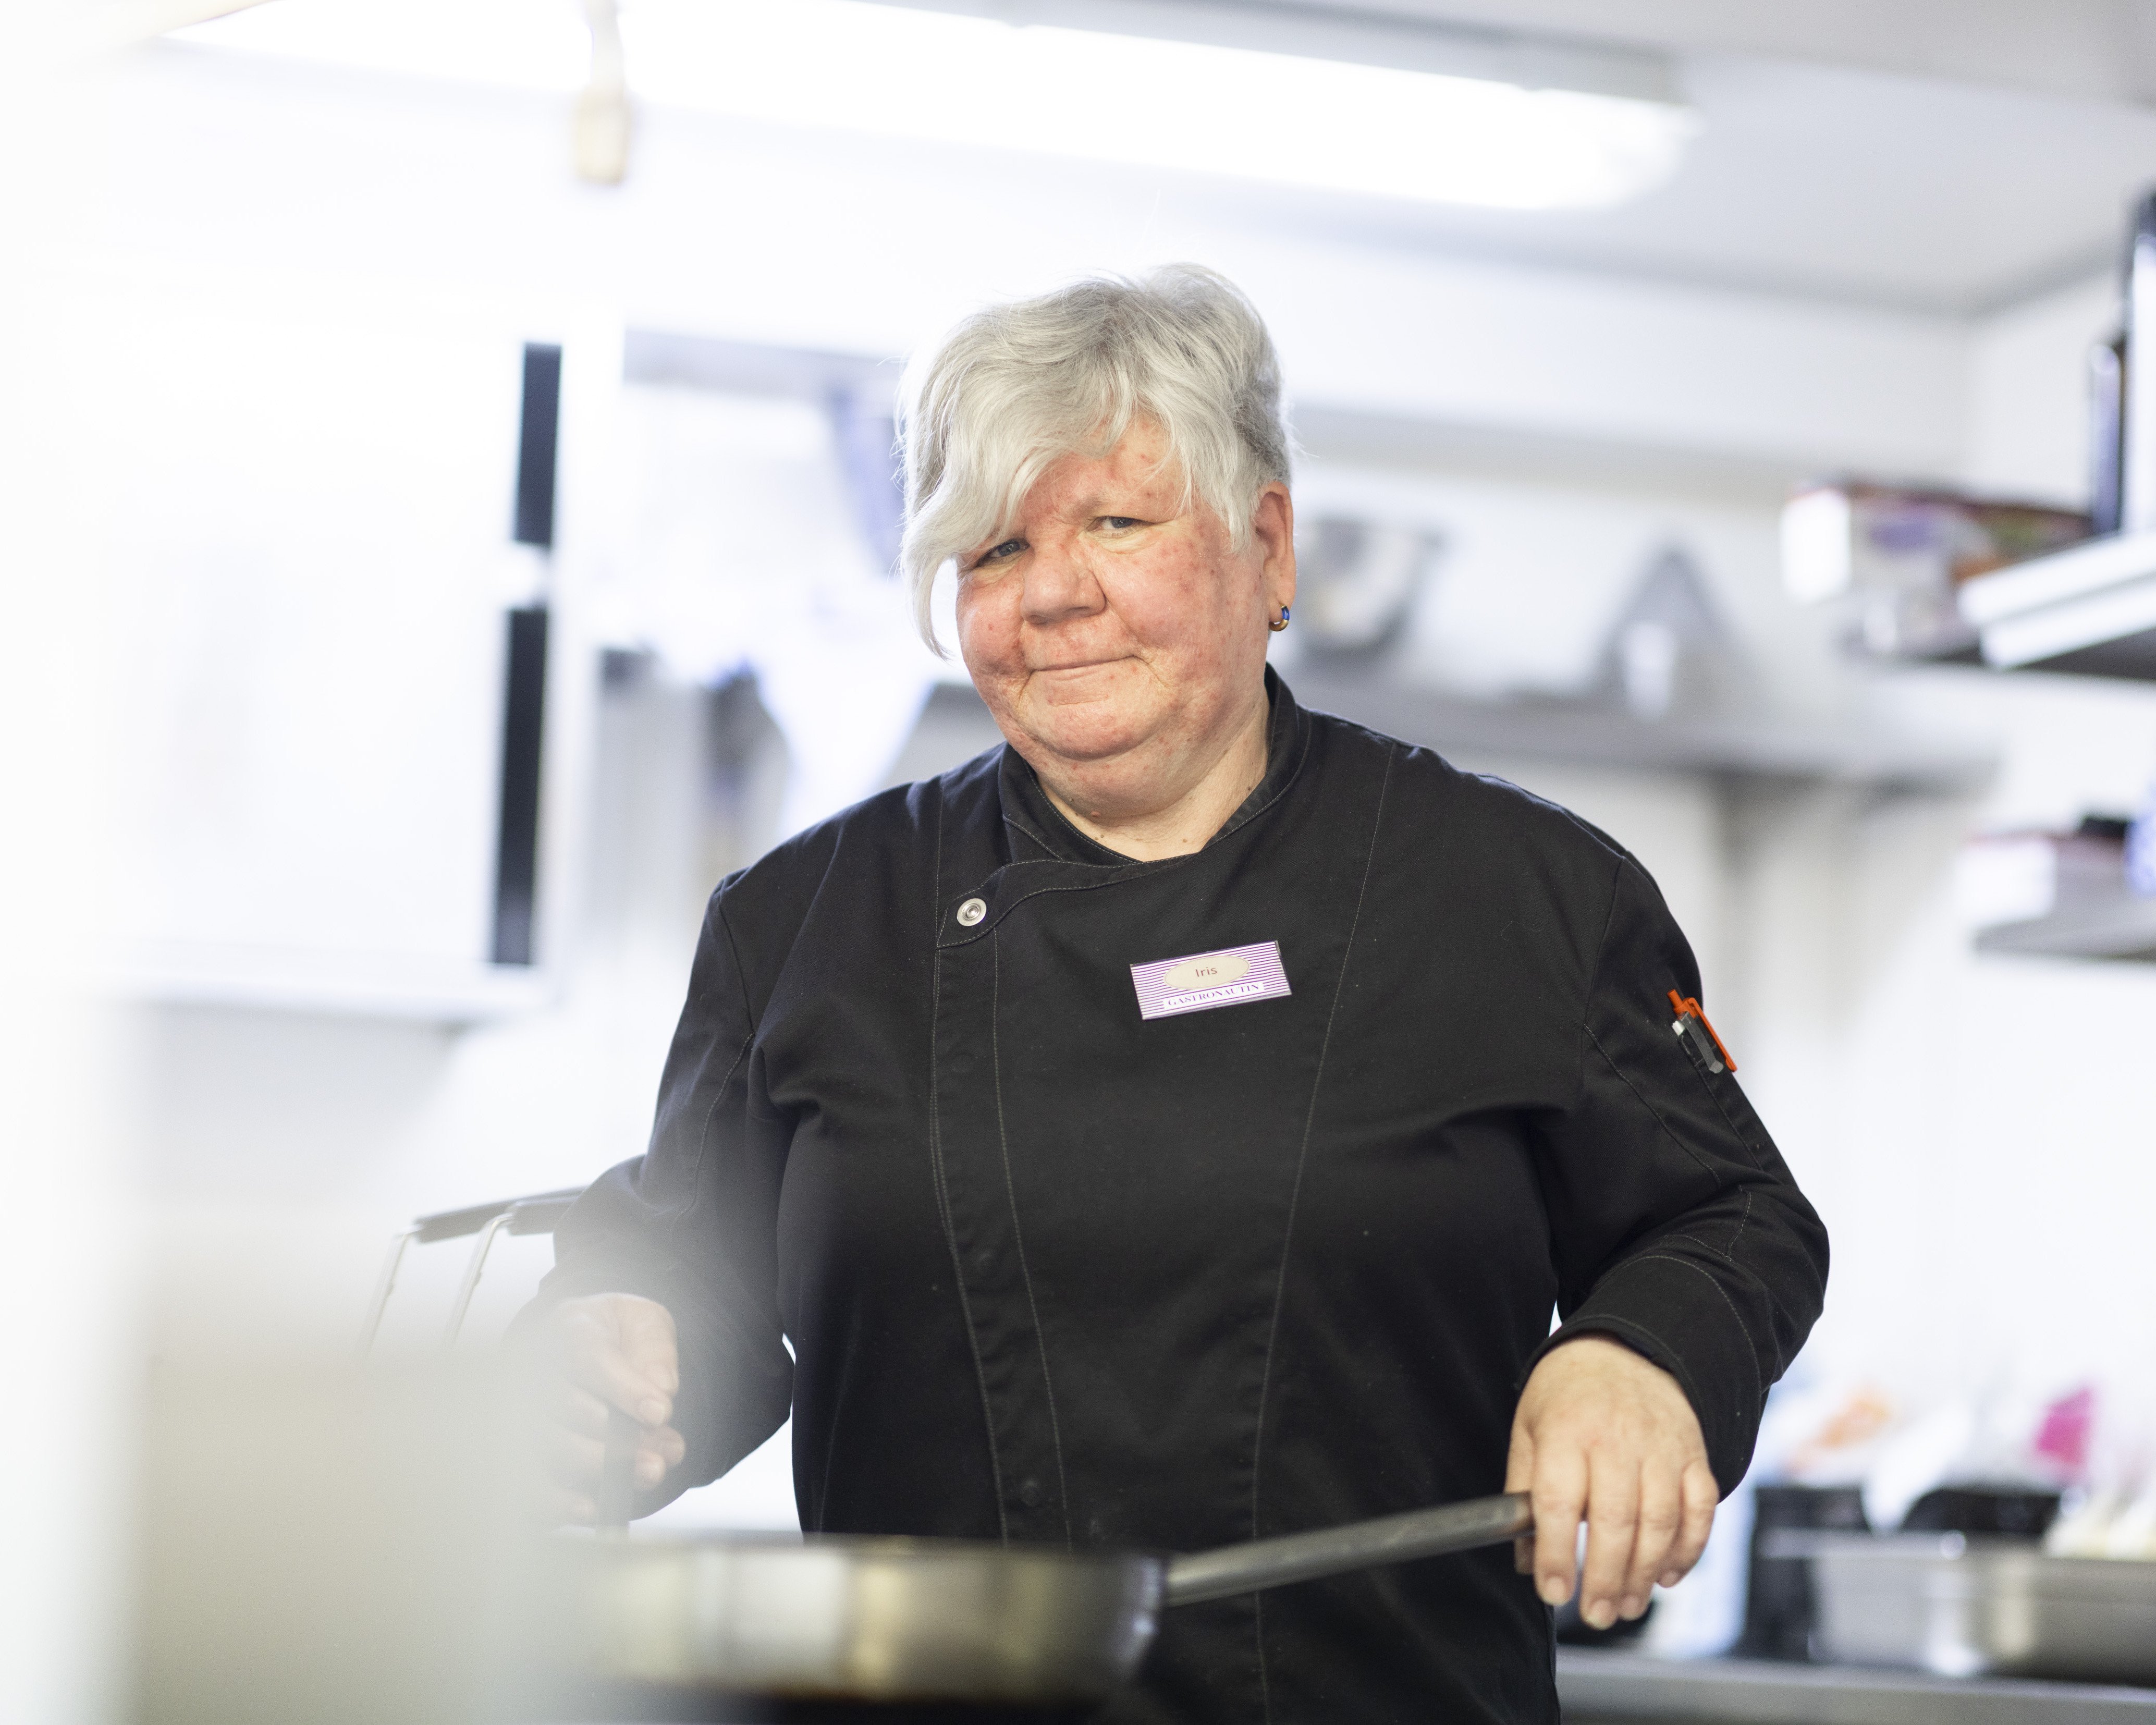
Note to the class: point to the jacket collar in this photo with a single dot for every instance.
(1037, 826)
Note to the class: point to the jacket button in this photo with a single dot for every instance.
(1028, 1493)
(972, 912)
(984, 1259)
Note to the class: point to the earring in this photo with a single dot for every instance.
(1277, 627)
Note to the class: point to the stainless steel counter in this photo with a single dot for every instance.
(1596, 1686)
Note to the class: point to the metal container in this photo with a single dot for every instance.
(1962, 1606)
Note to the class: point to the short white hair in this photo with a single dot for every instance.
(1015, 388)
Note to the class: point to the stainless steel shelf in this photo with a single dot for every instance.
(2089, 609)
(2123, 926)
(1595, 1686)
(1755, 747)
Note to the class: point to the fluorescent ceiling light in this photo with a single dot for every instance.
(897, 71)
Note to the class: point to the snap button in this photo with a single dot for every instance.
(972, 912)
(1031, 1494)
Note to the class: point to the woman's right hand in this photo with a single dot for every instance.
(608, 1350)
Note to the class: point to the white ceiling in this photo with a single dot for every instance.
(1938, 155)
(1853, 184)
(2099, 48)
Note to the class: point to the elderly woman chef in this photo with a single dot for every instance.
(1178, 1125)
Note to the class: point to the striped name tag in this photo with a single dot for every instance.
(1205, 980)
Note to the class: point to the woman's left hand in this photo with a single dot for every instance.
(1603, 1434)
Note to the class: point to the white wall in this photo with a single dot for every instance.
(1975, 1128)
(67, 1346)
(2027, 430)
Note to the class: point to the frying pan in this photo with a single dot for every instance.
(930, 1620)
(701, 1622)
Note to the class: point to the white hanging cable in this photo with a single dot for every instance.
(601, 122)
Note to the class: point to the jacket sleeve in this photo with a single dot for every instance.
(693, 1223)
(1676, 1226)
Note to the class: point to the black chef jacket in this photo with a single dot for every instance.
(1055, 1272)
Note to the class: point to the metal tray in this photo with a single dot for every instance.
(1962, 1606)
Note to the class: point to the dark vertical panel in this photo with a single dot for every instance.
(2106, 434)
(524, 687)
(517, 851)
(535, 452)
(2137, 488)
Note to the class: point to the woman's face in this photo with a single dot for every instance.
(1116, 638)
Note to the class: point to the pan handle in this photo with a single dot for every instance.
(1333, 1550)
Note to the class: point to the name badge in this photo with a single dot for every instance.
(1205, 980)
